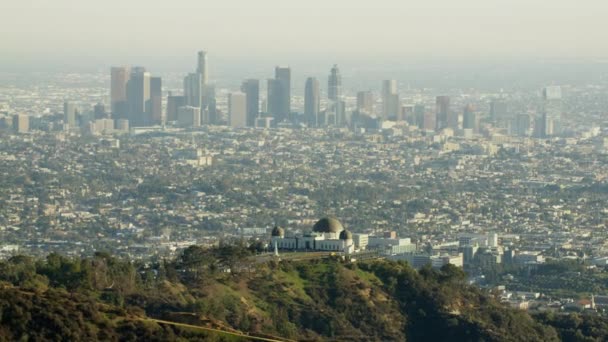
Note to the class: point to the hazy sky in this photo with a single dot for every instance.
(104, 32)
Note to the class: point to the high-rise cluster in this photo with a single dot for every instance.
(135, 96)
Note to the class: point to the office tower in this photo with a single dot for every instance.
(99, 111)
(335, 105)
(341, 113)
(118, 91)
(156, 102)
(173, 104)
(264, 106)
(202, 67)
(407, 114)
(365, 102)
(499, 112)
(454, 120)
(69, 114)
(251, 88)
(430, 121)
(551, 111)
(21, 123)
(208, 95)
(193, 90)
(419, 112)
(281, 91)
(390, 99)
(237, 109)
(273, 89)
(312, 102)
(470, 118)
(442, 112)
(138, 97)
(523, 125)
(215, 117)
(334, 89)
(539, 127)
(188, 116)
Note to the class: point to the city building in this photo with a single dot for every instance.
(335, 104)
(193, 90)
(279, 94)
(69, 114)
(470, 119)
(101, 126)
(312, 102)
(119, 77)
(155, 114)
(334, 82)
(202, 67)
(173, 104)
(442, 112)
(21, 123)
(138, 97)
(365, 102)
(99, 111)
(390, 99)
(551, 111)
(523, 125)
(188, 116)
(237, 109)
(327, 234)
(499, 113)
(251, 88)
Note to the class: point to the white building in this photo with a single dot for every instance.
(327, 235)
(391, 245)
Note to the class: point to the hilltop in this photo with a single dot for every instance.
(104, 298)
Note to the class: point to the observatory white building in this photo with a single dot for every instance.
(327, 234)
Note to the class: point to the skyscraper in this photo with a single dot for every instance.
(202, 67)
(280, 101)
(214, 115)
(138, 97)
(173, 104)
(498, 111)
(99, 111)
(237, 109)
(335, 106)
(523, 125)
(251, 88)
(419, 115)
(312, 102)
(69, 114)
(442, 112)
(365, 102)
(193, 90)
(334, 82)
(155, 116)
(469, 118)
(407, 114)
(390, 99)
(118, 91)
(21, 123)
(551, 111)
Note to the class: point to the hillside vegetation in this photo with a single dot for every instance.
(103, 298)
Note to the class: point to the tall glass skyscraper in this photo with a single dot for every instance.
(312, 102)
